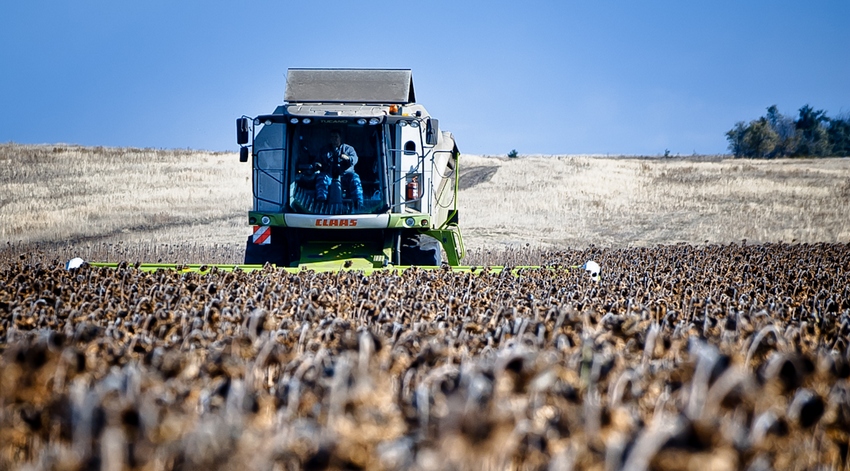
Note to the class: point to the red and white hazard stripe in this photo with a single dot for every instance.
(262, 235)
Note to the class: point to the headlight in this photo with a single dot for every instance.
(293, 120)
(374, 121)
(414, 124)
(306, 120)
(409, 222)
(361, 121)
(265, 220)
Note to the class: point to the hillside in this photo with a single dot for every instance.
(58, 194)
(575, 201)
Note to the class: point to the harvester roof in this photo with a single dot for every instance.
(374, 86)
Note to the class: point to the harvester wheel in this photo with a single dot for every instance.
(421, 250)
(274, 253)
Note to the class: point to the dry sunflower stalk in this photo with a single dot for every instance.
(681, 357)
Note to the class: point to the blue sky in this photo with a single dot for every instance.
(618, 77)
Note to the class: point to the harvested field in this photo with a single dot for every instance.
(90, 199)
(728, 356)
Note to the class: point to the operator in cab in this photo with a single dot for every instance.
(337, 160)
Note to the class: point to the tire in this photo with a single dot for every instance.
(274, 253)
(420, 250)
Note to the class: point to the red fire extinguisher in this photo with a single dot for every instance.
(413, 188)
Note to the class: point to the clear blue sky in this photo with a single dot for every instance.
(633, 77)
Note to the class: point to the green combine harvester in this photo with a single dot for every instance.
(349, 173)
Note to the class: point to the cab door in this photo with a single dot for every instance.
(269, 168)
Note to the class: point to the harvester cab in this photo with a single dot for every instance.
(351, 172)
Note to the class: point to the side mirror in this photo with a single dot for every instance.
(243, 154)
(242, 127)
(432, 131)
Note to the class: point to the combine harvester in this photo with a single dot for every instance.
(397, 205)
(349, 173)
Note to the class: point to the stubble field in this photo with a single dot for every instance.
(190, 206)
(696, 350)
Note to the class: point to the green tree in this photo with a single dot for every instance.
(838, 134)
(786, 132)
(735, 136)
(760, 139)
(814, 140)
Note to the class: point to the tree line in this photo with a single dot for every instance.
(812, 134)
